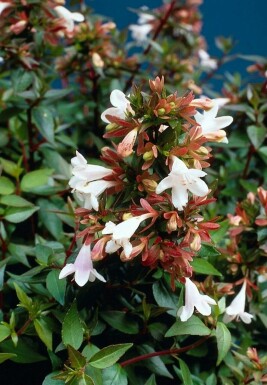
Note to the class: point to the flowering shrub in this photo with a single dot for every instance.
(133, 208)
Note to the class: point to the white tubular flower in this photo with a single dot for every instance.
(120, 106)
(205, 60)
(140, 32)
(193, 299)
(87, 181)
(68, 17)
(211, 126)
(122, 233)
(82, 268)
(236, 309)
(180, 180)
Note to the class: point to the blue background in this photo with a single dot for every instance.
(243, 20)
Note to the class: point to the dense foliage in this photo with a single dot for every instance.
(145, 202)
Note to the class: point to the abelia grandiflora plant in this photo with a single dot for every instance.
(145, 202)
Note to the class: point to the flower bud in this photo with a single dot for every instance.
(196, 243)
(161, 111)
(126, 216)
(148, 155)
(150, 185)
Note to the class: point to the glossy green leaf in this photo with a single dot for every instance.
(35, 178)
(151, 380)
(165, 297)
(256, 135)
(50, 380)
(44, 121)
(72, 331)
(6, 356)
(7, 187)
(154, 364)
(224, 340)
(114, 375)
(4, 332)
(19, 214)
(56, 286)
(25, 352)
(109, 355)
(77, 360)
(43, 331)
(194, 326)
(121, 321)
(15, 201)
(11, 168)
(186, 375)
(202, 266)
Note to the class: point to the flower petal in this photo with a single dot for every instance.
(198, 188)
(179, 197)
(112, 247)
(113, 111)
(98, 276)
(164, 184)
(185, 312)
(246, 317)
(81, 277)
(127, 228)
(67, 270)
(77, 16)
(118, 99)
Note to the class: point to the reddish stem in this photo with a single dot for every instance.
(24, 327)
(164, 352)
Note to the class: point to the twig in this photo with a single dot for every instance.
(164, 352)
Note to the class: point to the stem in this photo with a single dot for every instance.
(148, 48)
(30, 137)
(164, 352)
(71, 246)
(249, 157)
(24, 327)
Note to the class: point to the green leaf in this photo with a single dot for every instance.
(56, 286)
(202, 266)
(15, 201)
(21, 80)
(25, 352)
(223, 337)
(121, 321)
(22, 296)
(114, 375)
(219, 234)
(256, 135)
(6, 356)
(4, 332)
(35, 179)
(6, 186)
(56, 161)
(109, 355)
(49, 219)
(77, 360)
(43, 253)
(72, 331)
(165, 297)
(186, 375)
(194, 326)
(154, 364)
(11, 168)
(208, 251)
(44, 121)
(19, 214)
(263, 153)
(50, 380)
(43, 331)
(151, 380)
